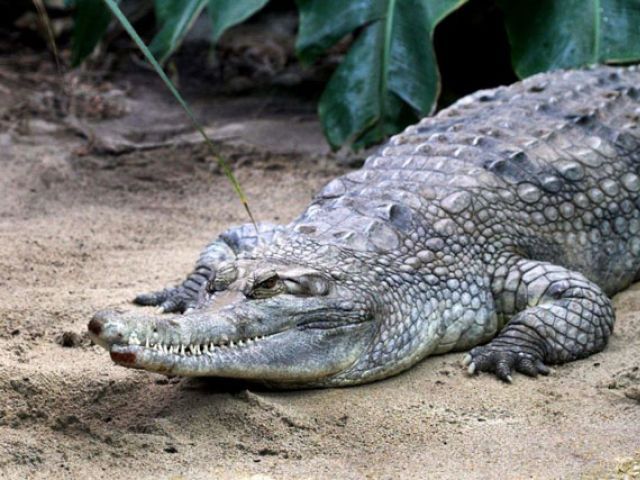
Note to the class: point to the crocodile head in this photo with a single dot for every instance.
(263, 320)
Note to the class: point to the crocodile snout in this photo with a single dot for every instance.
(101, 328)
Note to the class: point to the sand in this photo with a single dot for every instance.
(86, 223)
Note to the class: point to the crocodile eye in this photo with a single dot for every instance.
(265, 285)
(269, 283)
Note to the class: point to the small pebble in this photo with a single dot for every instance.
(70, 339)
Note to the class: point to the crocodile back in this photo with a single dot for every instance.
(548, 167)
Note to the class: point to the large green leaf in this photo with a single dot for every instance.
(162, 9)
(320, 26)
(225, 14)
(551, 34)
(175, 18)
(388, 78)
(91, 20)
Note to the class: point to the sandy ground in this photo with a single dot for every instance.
(81, 231)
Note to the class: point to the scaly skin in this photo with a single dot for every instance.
(500, 225)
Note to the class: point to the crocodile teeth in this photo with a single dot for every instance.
(196, 349)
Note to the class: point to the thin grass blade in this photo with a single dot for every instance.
(51, 39)
(154, 63)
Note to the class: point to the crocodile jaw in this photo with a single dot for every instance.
(213, 343)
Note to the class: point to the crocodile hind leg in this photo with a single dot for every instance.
(556, 316)
(223, 249)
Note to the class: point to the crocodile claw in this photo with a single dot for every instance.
(169, 300)
(152, 298)
(467, 360)
(503, 363)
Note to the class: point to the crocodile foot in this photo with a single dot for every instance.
(182, 297)
(502, 361)
(170, 300)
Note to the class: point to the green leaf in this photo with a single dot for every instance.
(320, 27)
(388, 78)
(176, 18)
(91, 20)
(156, 66)
(552, 34)
(225, 14)
(162, 10)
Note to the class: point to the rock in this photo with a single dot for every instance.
(70, 339)
(633, 393)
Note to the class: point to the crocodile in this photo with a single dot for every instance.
(500, 226)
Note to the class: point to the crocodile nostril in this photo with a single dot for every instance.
(95, 326)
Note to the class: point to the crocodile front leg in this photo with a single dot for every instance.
(556, 316)
(226, 247)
